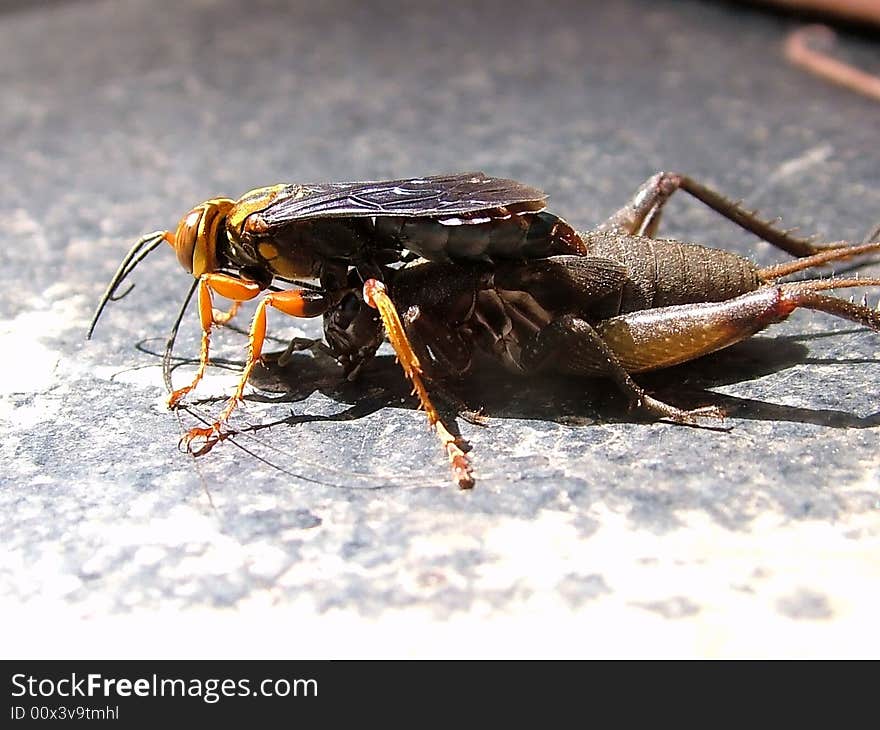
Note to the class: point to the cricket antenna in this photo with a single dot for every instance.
(138, 252)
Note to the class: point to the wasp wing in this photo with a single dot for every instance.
(430, 197)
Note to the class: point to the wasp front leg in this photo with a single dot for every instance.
(229, 287)
(296, 303)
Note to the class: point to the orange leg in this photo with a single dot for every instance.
(224, 317)
(296, 303)
(226, 286)
(376, 296)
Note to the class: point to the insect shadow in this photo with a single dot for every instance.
(568, 399)
(561, 399)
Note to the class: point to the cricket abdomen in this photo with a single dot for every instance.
(663, 273)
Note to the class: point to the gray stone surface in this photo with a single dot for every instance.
(590, 532)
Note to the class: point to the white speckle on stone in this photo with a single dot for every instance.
(21, 225)
(265, 560)
(34, 364)
(149, 555)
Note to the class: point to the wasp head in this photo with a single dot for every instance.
(195, 240)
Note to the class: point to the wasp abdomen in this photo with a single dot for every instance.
(485, 236)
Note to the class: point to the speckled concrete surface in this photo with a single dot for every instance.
(590, 533)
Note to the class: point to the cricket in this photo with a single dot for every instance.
(454, 266)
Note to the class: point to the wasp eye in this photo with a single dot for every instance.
(195, 241)
(186, 236)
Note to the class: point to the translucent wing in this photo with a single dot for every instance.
(430, 197)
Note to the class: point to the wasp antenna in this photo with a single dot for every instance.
(123, 295)
(141, 248)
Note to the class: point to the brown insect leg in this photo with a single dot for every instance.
(805, 294)
(570, 344)
(641, 216)
(790, 267)
(295, 303)
(799, 52)
(873, 236)
(376, 296)
(658, 338)
(226, 286)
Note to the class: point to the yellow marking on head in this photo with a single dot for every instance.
(203, 254)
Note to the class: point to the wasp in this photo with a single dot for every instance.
(449, 266)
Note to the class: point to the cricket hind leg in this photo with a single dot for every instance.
(806, 294)
(572, 345)
(658, 338)
(641, 216)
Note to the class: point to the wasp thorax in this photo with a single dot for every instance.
(195, 241)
